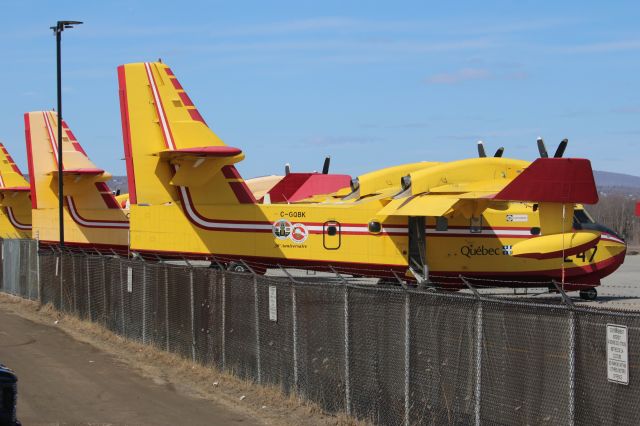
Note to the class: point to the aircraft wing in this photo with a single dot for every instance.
(420, 205)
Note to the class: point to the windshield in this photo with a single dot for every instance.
(581, 216)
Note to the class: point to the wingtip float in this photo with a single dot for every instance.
(489, 218)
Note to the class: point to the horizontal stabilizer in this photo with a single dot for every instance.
(205, 151)
(421, 205)
(555, 180)
(15, 189)
(87, 172)
(556, 245)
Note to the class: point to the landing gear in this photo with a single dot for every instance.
(237, 267)
(589, 294)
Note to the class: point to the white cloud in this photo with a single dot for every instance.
(603, 47)
(455, 77)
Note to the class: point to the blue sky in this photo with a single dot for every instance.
(372, 84)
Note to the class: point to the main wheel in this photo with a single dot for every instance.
(237, 267)
(589, 294)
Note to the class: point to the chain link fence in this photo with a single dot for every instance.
(389, 355)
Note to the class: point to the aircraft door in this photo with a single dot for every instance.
(417, 245)
(331, 238)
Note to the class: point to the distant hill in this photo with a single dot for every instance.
(606, 182)
(119, 182)
(618, 180)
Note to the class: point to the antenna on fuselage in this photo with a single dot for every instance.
(542, 149)
(499, 152)
(481, 152)
(325, 166)
(287, 169)
(561, 148)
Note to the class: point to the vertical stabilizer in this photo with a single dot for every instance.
(15, 206)
(168, 145)
(92, 211)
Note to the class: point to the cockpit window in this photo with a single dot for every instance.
(581, 216)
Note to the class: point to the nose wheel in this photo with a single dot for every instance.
(589, 294)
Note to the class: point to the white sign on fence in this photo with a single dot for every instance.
(273, 303)
(617, 354)
(129, 279)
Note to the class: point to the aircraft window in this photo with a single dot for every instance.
(332, 230)
(442, 223)
(535, 230)
(581, 216)
(476, 225)
(375, 227)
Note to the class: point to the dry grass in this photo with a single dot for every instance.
(267, 403)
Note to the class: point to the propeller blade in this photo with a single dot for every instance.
(481, 152)
(287, 169)
(561, 148)
(325, 166)
(542, 149)
(499, 152)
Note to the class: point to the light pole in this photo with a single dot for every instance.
(60, 26)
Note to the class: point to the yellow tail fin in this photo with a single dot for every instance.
(82, 178)
(15, 206)
(169, 146)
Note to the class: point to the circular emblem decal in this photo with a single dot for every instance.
(299, 233)
(282, 229)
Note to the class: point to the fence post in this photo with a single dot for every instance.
(294, 320)
(347, 377)
(257, 325)
(106, 299)
(224, 317)
(478, 389)
(38, 268)
(166, 305)
(89, 310)
(122, 283)
(193, 318)
(571, 350)
(144, 302)
(74, 282)
(61, 284)
(572, 360)
(407, 356)
(478, 351)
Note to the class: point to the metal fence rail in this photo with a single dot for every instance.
(391, 355)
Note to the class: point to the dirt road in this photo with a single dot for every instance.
(64, 381)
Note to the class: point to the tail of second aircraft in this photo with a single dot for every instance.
(15, 215)
(81, 176)
(93, 211)
(170, 151)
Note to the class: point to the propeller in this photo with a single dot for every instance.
(561, 148)
(542, 149)
(325, 166)
(287, 169)
(481, 152)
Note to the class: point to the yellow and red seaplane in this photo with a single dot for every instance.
(486, 218)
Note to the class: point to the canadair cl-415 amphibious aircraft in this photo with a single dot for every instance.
(15, 206)
(93, 216)
(487, 217)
